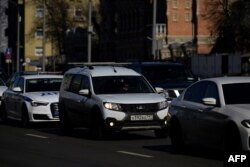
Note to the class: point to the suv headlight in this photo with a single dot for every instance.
(113, 106)
(35, 103)
(246, 123)
(38, 103)
(162, 105)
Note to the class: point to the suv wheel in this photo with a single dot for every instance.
(65, 123)
(98, 129)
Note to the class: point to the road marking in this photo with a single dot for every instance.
(135, 154)
(37, 136)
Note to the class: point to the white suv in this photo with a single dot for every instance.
(108, 98)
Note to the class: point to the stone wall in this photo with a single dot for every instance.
(3, 25)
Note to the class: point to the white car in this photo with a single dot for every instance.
(32, 98)
(213, 112)
(3, 87)
(109, 98)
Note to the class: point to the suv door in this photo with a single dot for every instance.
(76, 104)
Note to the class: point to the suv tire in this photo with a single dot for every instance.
(66, 126)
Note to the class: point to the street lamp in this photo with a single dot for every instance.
(18, 35)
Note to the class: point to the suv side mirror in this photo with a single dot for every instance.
(17, 89)
(84, 92)
(159, 90)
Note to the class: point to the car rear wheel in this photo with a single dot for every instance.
(176, 134)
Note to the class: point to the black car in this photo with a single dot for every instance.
(171, 76)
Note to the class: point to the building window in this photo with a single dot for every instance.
(39, 51)
(39, 12)
(175, 16)
(39, 32)
(175, 3)
(187, 4)
(78, 12)
(187, 16)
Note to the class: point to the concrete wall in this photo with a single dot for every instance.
(211, 66)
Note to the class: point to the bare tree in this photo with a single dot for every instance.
(229, 20)
(60, 17)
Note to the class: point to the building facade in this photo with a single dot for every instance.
(126, 29)
(3, 34)
(188, 31)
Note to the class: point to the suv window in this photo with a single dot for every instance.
(66, 83)
(75, 84)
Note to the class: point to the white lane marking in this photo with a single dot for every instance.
(37, 136)
(135, 154)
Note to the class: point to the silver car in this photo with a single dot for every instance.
(213, 112)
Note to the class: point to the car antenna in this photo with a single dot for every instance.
(114, 69)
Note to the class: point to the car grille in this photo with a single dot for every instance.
(139, 108)
(54, 109)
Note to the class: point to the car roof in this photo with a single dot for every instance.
(41, 76)
(229, 79)
(104, 71)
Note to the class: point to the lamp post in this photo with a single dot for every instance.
(18, 35)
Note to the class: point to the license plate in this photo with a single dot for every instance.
(141, 117)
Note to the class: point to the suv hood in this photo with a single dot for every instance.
(43, 96)
(133, 98)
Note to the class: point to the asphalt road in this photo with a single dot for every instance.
(44, 146)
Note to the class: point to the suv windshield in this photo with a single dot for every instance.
(121, 84)
(167, 73)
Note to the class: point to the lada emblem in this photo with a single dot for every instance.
(139, 107)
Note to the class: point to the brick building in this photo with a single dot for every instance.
(188, 31)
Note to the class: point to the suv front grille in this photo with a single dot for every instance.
(139, 108)
(54, 109)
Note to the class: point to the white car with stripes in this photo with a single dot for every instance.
(32, 98)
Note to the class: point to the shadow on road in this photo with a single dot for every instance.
(193, 151)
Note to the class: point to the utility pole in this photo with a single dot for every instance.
(18, 35)
(44, 36)
(90, 30)
(154, 30)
